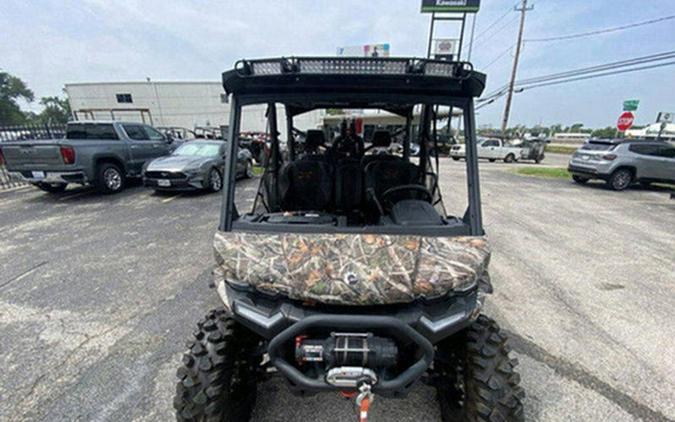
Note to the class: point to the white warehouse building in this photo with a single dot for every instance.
(170, 104)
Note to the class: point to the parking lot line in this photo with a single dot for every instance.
(170, 199)
(76, 194)
(16, 189)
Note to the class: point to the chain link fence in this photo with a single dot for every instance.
(24, 133)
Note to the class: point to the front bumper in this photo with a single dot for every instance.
(592, 172)
(183, 184)
(75, 176)
(270, 315)
(419, 324)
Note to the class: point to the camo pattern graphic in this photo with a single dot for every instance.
(351, 269)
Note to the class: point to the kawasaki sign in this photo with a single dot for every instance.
(465, 6)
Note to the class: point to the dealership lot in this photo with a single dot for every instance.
(98, 295)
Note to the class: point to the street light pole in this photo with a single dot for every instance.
(509, 96)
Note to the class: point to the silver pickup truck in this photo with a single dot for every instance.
(100, 153)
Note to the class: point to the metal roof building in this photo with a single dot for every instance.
(170, 103)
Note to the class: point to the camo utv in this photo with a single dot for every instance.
(347, 274)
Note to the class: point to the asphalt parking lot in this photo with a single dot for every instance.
(99, 294)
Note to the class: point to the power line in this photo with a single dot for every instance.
(501, 28)
(490, 100)
(599, 75)
(601, 31)
(585, 70)
(493, 24)
(606, 66)
(502, 54)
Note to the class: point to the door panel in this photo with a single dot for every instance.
(141, 147)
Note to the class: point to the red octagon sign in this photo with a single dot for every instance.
(625, 121)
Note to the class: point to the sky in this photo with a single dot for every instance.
(50, 43)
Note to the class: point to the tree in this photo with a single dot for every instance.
(556, 128)
(576, 127)
(609, 132)
(56, 111)
(11, 90)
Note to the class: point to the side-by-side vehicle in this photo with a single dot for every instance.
(348, 274)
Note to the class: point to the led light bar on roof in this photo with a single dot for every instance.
(439, 69)
(345, 66)
(272, 67)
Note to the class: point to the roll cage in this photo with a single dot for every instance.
(396, 85)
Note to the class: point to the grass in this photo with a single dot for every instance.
(561, 149)
(550, 172)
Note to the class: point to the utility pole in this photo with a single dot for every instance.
(509, 96)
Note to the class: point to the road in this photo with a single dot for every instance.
(99, 294)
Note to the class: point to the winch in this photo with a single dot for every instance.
(347, 349)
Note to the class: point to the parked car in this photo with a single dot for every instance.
(194, 165)
(258, 144)
(490, 149)
(101, 153)
(622, 162)
(532, 149)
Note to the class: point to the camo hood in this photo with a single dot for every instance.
(351, 269)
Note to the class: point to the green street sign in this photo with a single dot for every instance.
(450, 6)
(630, 105)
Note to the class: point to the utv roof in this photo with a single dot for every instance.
(313, 82)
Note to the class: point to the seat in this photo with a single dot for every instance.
(381, 141)
(306, 185)
(380, 176)
(348, 185)
(314, 139)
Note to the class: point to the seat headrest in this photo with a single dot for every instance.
(381, 138)
(314, 139)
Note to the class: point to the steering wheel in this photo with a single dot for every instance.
(399, 193)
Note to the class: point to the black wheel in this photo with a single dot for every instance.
(215, 181)
(510, 158)
(109, 178)
(52, 187)
(475, 378)
(620, 179)
(537, 160)
(579, 179)
(455, 158)
(248, 170)
(218, 378)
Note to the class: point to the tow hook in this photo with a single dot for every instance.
(364, 400)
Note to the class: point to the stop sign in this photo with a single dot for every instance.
(625, 121)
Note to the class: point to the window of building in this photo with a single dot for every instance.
(124, 98)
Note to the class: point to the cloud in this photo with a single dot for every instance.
(50, 43)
